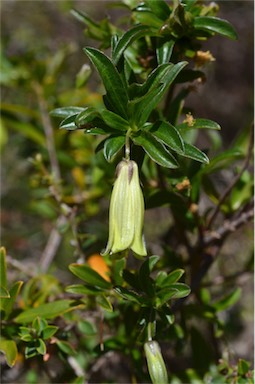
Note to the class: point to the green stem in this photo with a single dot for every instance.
(127, 147)
(149, 331)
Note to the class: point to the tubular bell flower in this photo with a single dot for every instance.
(126, 214)
(155, 362)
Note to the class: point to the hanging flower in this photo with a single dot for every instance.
(126, 215)
(155, 362)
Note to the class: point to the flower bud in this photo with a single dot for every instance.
(156, 365)
(126, 214)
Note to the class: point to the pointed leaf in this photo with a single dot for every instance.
(171, 278)
(215, 24)
(83, 289)
(104, 303)
(115, 90)
(114, 121)
(169, 135)
(3, 273)
(64, 112)
(229, 300)
(4, 294)
(164, 50)
(47, 311)
(8, 303)
(127, 38)
(69, 123)
(159, 8)
(49, 331)
(112, 146)
(195, 154)
(86, 116)
(88, 275)
(155, 150)
(199, 124)
(9, 348)
(127, 294)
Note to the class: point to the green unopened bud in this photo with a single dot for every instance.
(126, 215)
(156, 365)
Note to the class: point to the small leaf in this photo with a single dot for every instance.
(66, 347)
(155, 150)
(171, 278)
(115, 90)
(229, 300)
(194, 153)
(104, 303)
(41, 348)
(140, 109)
(69, 123)
(47, 311)
(215, 24)
(3, 273)
(85, 117)
(169, 135)
(243, 367)
(88, 275)
(83, 289)
(159, 8)
(127, 38)
(112, 146)
(164, 50)
(87, 328)
(9, 348)
(7, 303)
(114, 121)
(199, 124)
(127, 294)
(4, 293)
(65, 112)
(49, 331)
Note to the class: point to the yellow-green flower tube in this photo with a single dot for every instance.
(155, 362)
(126, 216)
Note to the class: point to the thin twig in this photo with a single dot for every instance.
(233, 183)
(48, 130)
(52, 245)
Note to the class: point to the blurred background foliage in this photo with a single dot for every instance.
(49, 222)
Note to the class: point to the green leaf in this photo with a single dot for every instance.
(128, 294)
(140, 109)
(145, 16)
(194, 153)
(3, 273)
(104, 303)
(65, 112)
(85, 117)
(83, 289)
(243, 367)
(69, 123)
(222, 160)
(66, 347)
(47, 311)
(88, 275)
(9, 348)
(115, 90)
(164, 50)
(49, 331)
(199, 124)
(214, 24)
(156, 151)
(173, 291)
(171, 278)
(41, 347)
(114, 121)
(159, 8)
(4, 294)
(112, 146)
(8, 303)
(127, 38)
(229, 300)
(169, 135)
(87, 328)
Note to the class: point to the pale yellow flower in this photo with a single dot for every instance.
(126, 216)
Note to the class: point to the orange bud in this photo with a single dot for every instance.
(97, 263)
